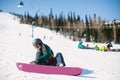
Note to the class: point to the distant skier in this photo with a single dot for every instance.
(96, 47)
(45, 55)
(109, 45)
(102, 48)
(80, 45)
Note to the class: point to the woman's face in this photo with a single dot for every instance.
(37, 47)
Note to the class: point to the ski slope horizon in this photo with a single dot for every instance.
(16, 46)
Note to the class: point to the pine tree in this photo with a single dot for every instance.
(93, 29)
(1, 11)
(36, 19)
(74, 17)
(51, 18)
(56, 24)
(87, 29)
(116, 31)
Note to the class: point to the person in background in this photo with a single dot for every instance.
(102, 48)
(109, 45)
(96, 47)
(80, 45)
(45, 55)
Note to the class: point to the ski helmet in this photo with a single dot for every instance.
(37, 41)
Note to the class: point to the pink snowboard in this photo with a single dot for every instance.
(49, 69)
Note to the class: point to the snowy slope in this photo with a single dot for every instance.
(15, 46)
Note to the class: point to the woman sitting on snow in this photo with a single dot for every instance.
(109, 45)
(80, 45)
(45, 56)
(102, 48)
(96, 47)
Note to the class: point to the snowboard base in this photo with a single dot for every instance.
(49, 69)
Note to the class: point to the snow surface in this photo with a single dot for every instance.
(16, 46)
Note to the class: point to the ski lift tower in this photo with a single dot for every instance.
(33, 25)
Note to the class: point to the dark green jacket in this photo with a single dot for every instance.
(47, 53)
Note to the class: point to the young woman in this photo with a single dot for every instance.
(45, 55)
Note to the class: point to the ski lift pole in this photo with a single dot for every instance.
(33, 24)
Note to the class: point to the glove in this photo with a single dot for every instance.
(33, 62)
